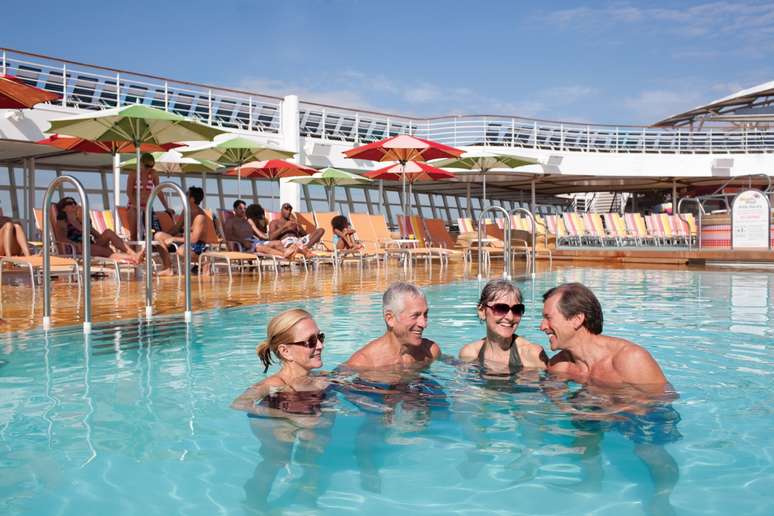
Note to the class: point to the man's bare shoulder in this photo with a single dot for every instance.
(364, 357)
(433, 349)
(635, 364)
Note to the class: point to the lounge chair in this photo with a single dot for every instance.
(59, 266)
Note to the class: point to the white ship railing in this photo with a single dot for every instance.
(88, 87)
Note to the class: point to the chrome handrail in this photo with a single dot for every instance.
(698, 227)
(187, 250)
(506, 250)
(533, 222)
(85, 251)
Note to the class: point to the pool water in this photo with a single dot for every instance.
(136, 419)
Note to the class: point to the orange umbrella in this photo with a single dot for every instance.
(410, 172)
(70, 143)
(15, 94)
(270, 169)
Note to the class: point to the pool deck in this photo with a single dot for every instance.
(21, 307)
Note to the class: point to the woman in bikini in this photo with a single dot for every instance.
(256, 217)
(286, 409)
(13, 241)
(69, 225)
(344, 235)
(502, 351)
(148, 181)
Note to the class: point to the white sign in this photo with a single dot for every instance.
(750, 221)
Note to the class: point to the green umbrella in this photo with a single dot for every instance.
(172, 162)
(235, 152)
(137, 124)
(331, 178)
(484, 161)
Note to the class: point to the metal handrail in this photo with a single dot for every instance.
(698, 227)
(187, 250)
(506, 250)
(719, 190)
(85, 251)
(533, 222)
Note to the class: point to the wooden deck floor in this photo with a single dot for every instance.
(21, 307)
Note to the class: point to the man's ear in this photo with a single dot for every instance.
(577, 321)
(389, 319)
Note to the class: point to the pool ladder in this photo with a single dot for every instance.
(507, 250)
(86, 251)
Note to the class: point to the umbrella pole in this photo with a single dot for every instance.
(239, 181)
(116, 189)
(483, 203)
(332, 196)
(137, 188)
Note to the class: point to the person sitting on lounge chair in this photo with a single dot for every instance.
(176, 235)
(244, 227)
(13, 241)
(344, 235)
(69, 224)
(289, 231)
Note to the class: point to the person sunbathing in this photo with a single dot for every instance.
(289, 231)
(177, 234)
(68, 220)
(344, 235)
(249, 228)
(13, 241)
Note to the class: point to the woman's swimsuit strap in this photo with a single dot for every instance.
(514, 359)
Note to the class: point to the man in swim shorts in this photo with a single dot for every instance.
(404, 307)
(572, 319)
(290, 232)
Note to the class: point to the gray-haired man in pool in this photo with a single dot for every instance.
(405, 312)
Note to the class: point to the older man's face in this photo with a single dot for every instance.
(409, 324)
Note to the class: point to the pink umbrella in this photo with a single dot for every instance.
(410, 173)
(270, 169)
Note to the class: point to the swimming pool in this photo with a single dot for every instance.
(136, 419)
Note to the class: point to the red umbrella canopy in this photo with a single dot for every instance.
(70, 143)
(15, 94)
(270, 169)
(403, 148)
(413, 171)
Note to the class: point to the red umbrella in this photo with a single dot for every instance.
(411, 172)
(15, 94)
(403, 148)
(271, 169)
(70, 143)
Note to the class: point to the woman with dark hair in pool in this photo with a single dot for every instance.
(502, 350)
(285, 409)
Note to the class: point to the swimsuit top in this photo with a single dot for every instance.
(514, 360)
(148, 186)
(306, 403)
(74, 234)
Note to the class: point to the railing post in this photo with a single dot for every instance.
(357, 128)
(534, 135)
(454, 127)
(506, 249)
(588, 138)
(250, 113)
(322, 126)
(533, 222)
(166, 96)
(187, 250)
(679, 132)
(388, 126)
(209, 107)
(513, 132)
(616, 139)
(561, 136)
(5, 66)
(118, 89)
(85, 251)
(64, 85)
(710, 140)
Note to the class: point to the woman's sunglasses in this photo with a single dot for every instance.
(311, 342)
(500, 309)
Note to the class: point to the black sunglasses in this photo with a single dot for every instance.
(500, 309)
(311, 342)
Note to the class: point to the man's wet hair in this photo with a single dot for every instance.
(394, 297)
(577, 298)
(197, 194)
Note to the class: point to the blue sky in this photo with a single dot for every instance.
(603, 62)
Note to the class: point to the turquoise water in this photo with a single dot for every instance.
(136, 420)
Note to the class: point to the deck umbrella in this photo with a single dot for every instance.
(69, 143)
(484, 161)
(235, 152)
(137, 124)
(410, 173)
(271, 169)
(403, 148)
(16, 94)
(172, 162)
(331, 178)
